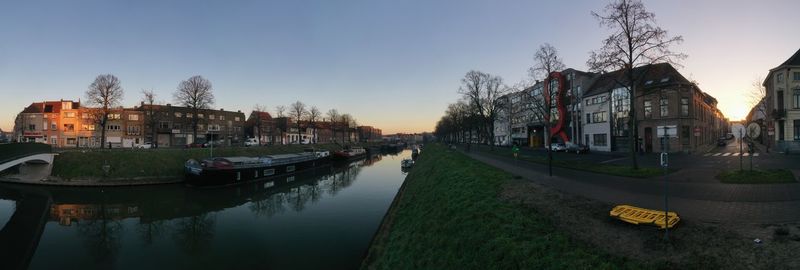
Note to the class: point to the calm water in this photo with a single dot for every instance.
(323, 219)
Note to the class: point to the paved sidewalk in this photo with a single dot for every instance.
(705, 201)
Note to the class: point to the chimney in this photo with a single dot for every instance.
(142, 103)
(169, 105)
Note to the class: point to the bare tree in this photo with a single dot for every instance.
(195, 93)
(333, 117)
(344, 123)
(635, 41)
(280, 110)
(472, 89)
(152, 114)
(313, 116)
(258, 126)
(106, 93)
(542, 98)
(297, 111)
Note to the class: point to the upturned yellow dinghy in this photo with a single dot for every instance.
(636, 215)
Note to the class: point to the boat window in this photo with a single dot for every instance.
(238, 176)
(269, 184)
(290, 168)
(269, 172)
(256, 174)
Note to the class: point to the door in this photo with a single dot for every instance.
(648, 139)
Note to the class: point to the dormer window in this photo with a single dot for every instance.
(665, 79)
(648, 82)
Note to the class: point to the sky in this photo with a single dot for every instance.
(395, 65)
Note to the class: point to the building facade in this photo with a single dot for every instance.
(174, 125)
(783, 106)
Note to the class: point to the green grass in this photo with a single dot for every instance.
(449, 216)
(756, 176)
(151, 163)
(610, 169)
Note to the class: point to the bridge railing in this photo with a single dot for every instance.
(12, 151)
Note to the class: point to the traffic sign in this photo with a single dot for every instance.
(697, 132)
(753, 130)
(771, 131)
(738, 130)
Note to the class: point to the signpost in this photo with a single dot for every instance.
(753, 131)
(664, 132)
(738, 132)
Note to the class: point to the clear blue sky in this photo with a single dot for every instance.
(392, 64)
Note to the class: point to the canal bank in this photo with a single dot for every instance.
(126, 167)
(450, 215)
(456, 212)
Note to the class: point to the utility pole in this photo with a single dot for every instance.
(665, 164)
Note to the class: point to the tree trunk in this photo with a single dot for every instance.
(632, 120)
(103, 123)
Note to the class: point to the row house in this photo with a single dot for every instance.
(525, 120)
(174, 125)
(664, 99)
(369, 134)
(66, 124)
(783, 103)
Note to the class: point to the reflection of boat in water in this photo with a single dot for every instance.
(232, 170)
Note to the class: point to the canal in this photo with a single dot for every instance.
(320, 219)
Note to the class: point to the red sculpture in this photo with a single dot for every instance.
(558, 128)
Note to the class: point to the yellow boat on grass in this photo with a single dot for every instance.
(636, 215)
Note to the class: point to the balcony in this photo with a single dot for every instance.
(778, 113)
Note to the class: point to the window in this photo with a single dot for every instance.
(222, 117)
(114, 116)
(44, 125)
(211, 116)
(179, 115)
(599, 117)
(236, 119)
(796, 76)
(52, 125)
(87, 127)
(648, 109)
(664, 107)
(199, 115)
(69, 127)
(133, 117)
(797, 130)
(599, 139)
(134, 130)
(72, 141)
(163, 125)
(53, 140)
(779, 77)
(176, 125)
(85, 115)
(796, 98)
(684, 106)
(588, 118)
(685, 134)
(188, 115)
(780, 99)
(69, 115)
(112, 127)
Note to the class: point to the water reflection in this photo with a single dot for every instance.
(105, 219)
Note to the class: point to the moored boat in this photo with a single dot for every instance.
(407, 163)
(232, 170)
(350, 153)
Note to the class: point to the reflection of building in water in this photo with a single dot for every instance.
(372, 159)
(66, 213)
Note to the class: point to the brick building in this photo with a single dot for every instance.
(174, 125)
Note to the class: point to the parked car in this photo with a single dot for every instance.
(251, 142)
(577, 148)
(722, 142)
(144, 146)
(196, 145)
(557, 147)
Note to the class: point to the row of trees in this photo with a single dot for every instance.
(635, 40)
(302, 117)
(106, 93)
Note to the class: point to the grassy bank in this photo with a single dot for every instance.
(756, 176)
(577, 164)
(151, 163)
(450, 216)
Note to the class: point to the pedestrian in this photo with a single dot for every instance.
(515, 150)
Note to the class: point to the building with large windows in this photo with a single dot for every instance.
(783, 103)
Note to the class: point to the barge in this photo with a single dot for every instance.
(350, 154)
(221, 171)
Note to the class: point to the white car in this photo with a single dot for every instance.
(251, 142)
(144, 146)
(557, 147)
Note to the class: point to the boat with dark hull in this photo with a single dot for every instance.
(222, 171)
(352, 153)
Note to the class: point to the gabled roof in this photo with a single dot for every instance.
(48, 106)
(792, 61)
(652, 76)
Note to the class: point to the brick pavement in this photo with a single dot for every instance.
(700, 200)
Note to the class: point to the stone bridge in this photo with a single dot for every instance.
(35, 160)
